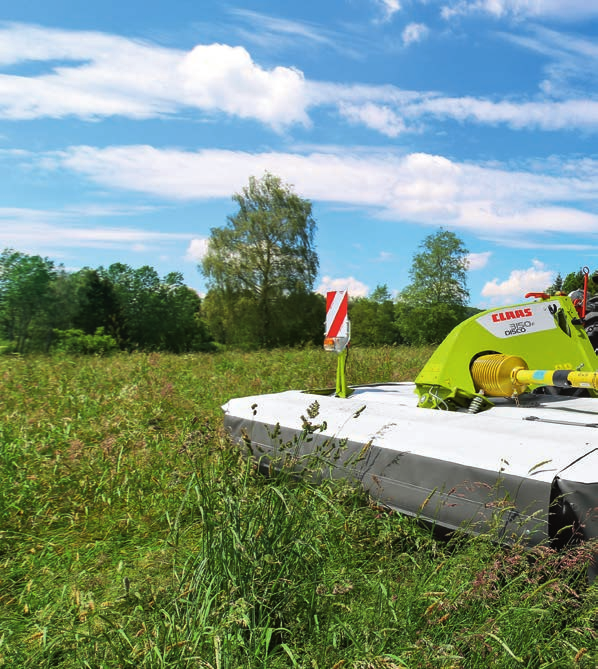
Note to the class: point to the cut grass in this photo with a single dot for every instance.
(134, 535)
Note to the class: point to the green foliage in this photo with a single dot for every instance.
(436, 299)
(557, 286)
(373, 319)
(381, 294)
(232, 319)
(133, 535)
(427, 324)
(263, 258)
(78, 342)
(26, 298)
(575, 281)
(134, 306)
(97, 303)
(439, 271)
(300, 319)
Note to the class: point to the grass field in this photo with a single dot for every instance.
(134, 535)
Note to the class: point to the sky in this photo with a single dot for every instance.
(126, 127)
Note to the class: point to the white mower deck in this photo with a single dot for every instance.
(530, 465)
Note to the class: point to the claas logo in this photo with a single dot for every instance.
(511, 314)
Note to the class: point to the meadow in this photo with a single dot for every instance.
(133, 534)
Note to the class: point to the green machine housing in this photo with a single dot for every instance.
(546, 334)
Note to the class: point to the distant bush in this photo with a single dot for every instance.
(7, 347)
(76, 341)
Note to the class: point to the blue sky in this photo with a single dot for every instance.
(125, 127)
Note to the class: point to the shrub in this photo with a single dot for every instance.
(77, 342)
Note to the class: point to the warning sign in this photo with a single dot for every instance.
(337, 321)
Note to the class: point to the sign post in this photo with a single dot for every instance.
(338, 334)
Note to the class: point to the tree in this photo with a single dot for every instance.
(373, 319)
(97, 303)
(154, 314)
(25, 297)
(436, 299)
(557, 286)
(260, 259)
(301, 317)
(381, 294)
(182, 328)
(575, 281)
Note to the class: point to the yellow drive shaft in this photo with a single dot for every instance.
(500, 375)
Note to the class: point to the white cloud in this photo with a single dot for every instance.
(167, 173)
(376, 117)
(105, 75)
(196, 250)
(272, 24)
(353, 286)
(413, 33)
(477, 261)
(544, 115)
(534, 279)
(223, 78)
(102, 75)
(571, 61)
(109, 75)
(273, 33)
(496, 8)
(406, 110)
(27, 43)
(494, 202)
(567, 10)
(48, 229)
(389, 8)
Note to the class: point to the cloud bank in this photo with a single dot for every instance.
(520, 282)
(355, 287)
(503, 204)
(100, 75)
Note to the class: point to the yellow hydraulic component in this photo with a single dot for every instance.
(505, 375)
(493, 374)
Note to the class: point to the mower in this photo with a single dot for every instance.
(499, 429)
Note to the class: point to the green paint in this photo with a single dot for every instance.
(547, 334)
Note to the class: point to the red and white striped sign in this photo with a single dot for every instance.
(337, 323)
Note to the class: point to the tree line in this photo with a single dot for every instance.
(44, 307)
(260, 270)
(572, 282)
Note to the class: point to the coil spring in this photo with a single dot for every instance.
(476, 404)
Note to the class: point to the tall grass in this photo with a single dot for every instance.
(134, 535)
